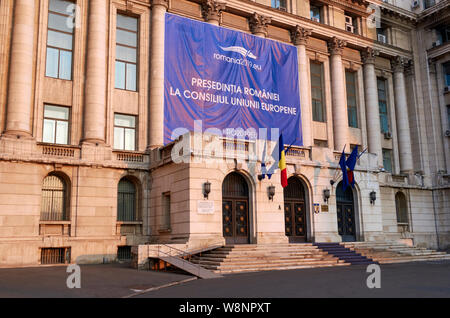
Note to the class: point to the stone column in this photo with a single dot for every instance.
(371, 101)
(156, 129)
(259, 24)
(340, 117)
(96, 72)
(401, 114)
(21, 70)
(212, 11)
(299, 38)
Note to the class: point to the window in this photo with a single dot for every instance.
(59, 40)
(56, 125)
(351, 22)
(317, 91)
(381, 35)
(321, 143)
(387, 160)
(126, 201)
(165, 220)
(124, 132)
(352, 107)
(279, 4)
(314, 12)
(126, 52)
(401, 208)
(448, 116)
(382, 104)
(428, 3)
(55, 255)
(447, 73)
(54, 199)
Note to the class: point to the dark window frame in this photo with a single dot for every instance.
(323, 117)
(386, 103)
(126, 63)
(59, 49)
(355, 96)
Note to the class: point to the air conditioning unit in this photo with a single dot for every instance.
(348, 20)
(387, 135)
(382, 38)
(349, 28)
(315, 19)
(437, 43)
(282, 9)
(447, 89)
(415, 4)
(447, 133)
(386, 1)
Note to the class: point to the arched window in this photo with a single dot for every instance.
(54, 199)
(126, 201)
(401, 209)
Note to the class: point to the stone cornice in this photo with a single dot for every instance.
(300, 35)
(336, 46)
(212, 9)
(259, 23)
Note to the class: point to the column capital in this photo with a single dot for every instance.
(164, 3)
(259, 23)
(409, 68)
(398, 64)
(336, 46)
(368, 55)
(432, 65)
(300, 35)
(212, 10)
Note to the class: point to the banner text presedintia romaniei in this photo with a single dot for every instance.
(229, 80)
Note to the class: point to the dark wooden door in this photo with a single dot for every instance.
(235, 209)
(345, 210)
(294, 211)
(235, 221)
(295, 225)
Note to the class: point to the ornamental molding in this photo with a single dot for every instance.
(398, 64)
(336, 46)
(164, 3)
(300, 35)
(212, 10)
(259, 23)
(368, 55)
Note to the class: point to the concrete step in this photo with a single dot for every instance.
(265, 265)
(264, 262)
(276, 268)
(259, 259)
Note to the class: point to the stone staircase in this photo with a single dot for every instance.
(393, 252)
(345, 254)
(251, 258)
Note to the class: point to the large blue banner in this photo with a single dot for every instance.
(228, 80)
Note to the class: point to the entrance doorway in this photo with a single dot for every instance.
(235, 216)
(294, 211)
(345, 208)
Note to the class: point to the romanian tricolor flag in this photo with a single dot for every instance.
(282, 162)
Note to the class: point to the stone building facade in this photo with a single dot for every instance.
(84, 172)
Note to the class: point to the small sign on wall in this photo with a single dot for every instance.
(205, 207)
(324, 207)
(316, 207)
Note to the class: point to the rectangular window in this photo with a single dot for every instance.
(55, 255)
(448, 116)
(387, 160)
(165, 221)
(447, 73)
(428, 3)
(314, 12)
(56, 125)
(126, 53)
(352, 106)
(382, 104)
(59, 40)
(279, 4)
(124, 132)
(317, 91)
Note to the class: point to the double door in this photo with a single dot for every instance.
(235, 221)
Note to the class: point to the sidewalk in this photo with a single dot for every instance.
(109, 280)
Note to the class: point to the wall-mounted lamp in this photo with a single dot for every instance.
(332, 182)
(206, 189)
(271, 192)
(373, 197)
(326, 195)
